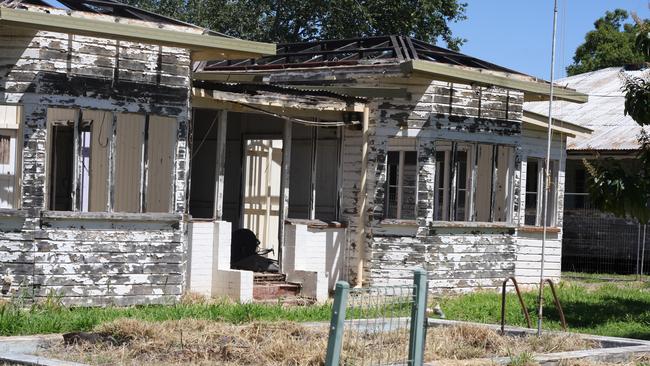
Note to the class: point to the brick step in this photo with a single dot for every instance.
(273, 290)
(269, 278)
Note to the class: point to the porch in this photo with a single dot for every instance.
(277, 175)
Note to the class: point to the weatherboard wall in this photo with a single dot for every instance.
(459, 256)
(92, 258)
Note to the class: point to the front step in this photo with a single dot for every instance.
(273, 286)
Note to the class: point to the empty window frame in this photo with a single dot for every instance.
(534, 208)
(10, 123)
(314, 173)
(401, 179)
(104, 161)
(473, 182)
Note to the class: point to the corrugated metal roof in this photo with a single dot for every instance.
(603, 113)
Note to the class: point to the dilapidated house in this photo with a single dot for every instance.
(133, 145)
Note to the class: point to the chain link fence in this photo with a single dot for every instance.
(599, 243)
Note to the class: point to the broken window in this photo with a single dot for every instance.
(104, 161)
(473, 182)
(534, 210)
(10, 117)
(401, 179)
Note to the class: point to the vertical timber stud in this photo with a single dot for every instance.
(337, 324)
(144, 165)
(111, 164)
(362, 198)
(78, 161)
(222, 124)
(418, 318)
(284, 185)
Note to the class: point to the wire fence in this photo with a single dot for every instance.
(599, 243)
(378, 325)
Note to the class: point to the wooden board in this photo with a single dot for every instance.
(128, 162)
(160, 163)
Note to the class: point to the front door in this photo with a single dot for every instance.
(261, 203)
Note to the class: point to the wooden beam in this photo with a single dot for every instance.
(222, 124)
(323, 116)
(284, 185)
(362, 199)
(87, 24)
(470, 75)
(278, 100)
(367, 92)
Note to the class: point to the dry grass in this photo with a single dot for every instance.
(202, 342)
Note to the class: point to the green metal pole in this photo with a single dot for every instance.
(335, 340)
(418, 319)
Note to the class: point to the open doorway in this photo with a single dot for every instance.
(261, 193)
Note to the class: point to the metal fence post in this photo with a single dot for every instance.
(418, 318)
(335, 340)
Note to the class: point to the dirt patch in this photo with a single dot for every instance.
(202, 342)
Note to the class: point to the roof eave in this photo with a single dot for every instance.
(533, 90)
(539, 119)
(202, 46)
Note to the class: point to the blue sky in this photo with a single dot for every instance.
(517, 33)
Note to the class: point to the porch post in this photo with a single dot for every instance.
(284, 185)
(222, 124)
(362, 198)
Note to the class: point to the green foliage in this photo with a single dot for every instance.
(637, 100)
(611, 43)
(297, 20)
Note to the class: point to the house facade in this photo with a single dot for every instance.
(130, 161)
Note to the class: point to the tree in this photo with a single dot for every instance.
(298, 20)
(611, 43)
(614, 189)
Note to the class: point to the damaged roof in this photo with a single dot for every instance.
(354, 51)
(603, 113)
(411, 56)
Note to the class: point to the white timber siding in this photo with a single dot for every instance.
(92, 258)
(459, 256)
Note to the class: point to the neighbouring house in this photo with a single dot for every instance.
(595, 241)
(147, 141)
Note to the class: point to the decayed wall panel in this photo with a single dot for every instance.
(93, 260)
(160, 162)
(128, 162)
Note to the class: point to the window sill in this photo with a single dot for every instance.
(449, 224)
(12, 213)
(538, 229)
(315, 224)
(112, 216)
(398, 222)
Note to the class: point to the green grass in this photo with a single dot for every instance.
(613, 309)
(52, 319)
(619, 309)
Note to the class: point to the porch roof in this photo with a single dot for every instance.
(316, 106)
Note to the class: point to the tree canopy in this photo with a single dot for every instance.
(611, 43)
(299, 20)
